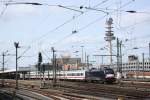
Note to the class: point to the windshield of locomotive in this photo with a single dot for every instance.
(109, 71)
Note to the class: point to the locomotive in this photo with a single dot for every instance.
(100, 75)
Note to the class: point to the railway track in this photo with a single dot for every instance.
(23, 94)
(53, 95)
(108, 91)
(115, 90)
(71, 90)
(137, 85)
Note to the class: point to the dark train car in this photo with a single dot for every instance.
(100, 75)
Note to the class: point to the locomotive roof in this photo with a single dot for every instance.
(101, 69)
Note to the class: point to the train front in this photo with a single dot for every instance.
(109, 75)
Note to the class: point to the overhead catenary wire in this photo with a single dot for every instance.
(43, 52)
(70, 21)
(137, 23)
(89, 8)
(118, 15)
(51, 30)
(84, 27)
(4, 10)
(66, 22)
(90, 23)
(74, 32)
(79, 30)
(24, 52)
(70, 8)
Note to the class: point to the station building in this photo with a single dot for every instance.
(135, 68)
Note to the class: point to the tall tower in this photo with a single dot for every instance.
(109, 36)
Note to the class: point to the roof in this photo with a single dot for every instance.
(13, 70)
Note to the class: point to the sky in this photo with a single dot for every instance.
(37, 28)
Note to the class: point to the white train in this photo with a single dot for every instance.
(103, 75)
(72, 74)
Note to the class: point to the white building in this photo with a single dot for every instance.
(135, 68)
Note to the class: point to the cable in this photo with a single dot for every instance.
(70, 8)
(126, 27)
(4, 10)
(89, 8)
(104, 1)
(71, 20)
(118, 15)
(86, 26)
(46, 55)
(66, 22)
(24, 52)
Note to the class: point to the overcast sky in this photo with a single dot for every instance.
(37, 28)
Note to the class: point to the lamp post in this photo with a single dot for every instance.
(16, 44)
(76, 56)
(143, 62)
(82, 52)
(3, 63)
(149, 52)
(102, 59)
(3, 70)
(137, 64)
(88, 62)
(54, 66)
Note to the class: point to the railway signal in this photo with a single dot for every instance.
(40, 67)
(39, 62)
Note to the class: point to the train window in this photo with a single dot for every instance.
(70, 74)
(79, 74)
(109, 71)
(97, 73)
(73, 74)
